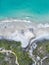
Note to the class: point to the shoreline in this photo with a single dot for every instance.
(25, 21)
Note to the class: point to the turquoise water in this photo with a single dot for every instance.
(24, 8)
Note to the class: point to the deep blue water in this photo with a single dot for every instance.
(24, 8)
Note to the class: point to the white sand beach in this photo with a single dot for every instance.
(20, 30)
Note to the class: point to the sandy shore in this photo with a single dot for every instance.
(23, 31)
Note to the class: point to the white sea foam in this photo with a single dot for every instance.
(43, 25)
(39, 25)
(15, 20)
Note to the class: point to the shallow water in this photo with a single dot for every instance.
(25, 9)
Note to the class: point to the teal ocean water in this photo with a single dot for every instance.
(33, 9)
